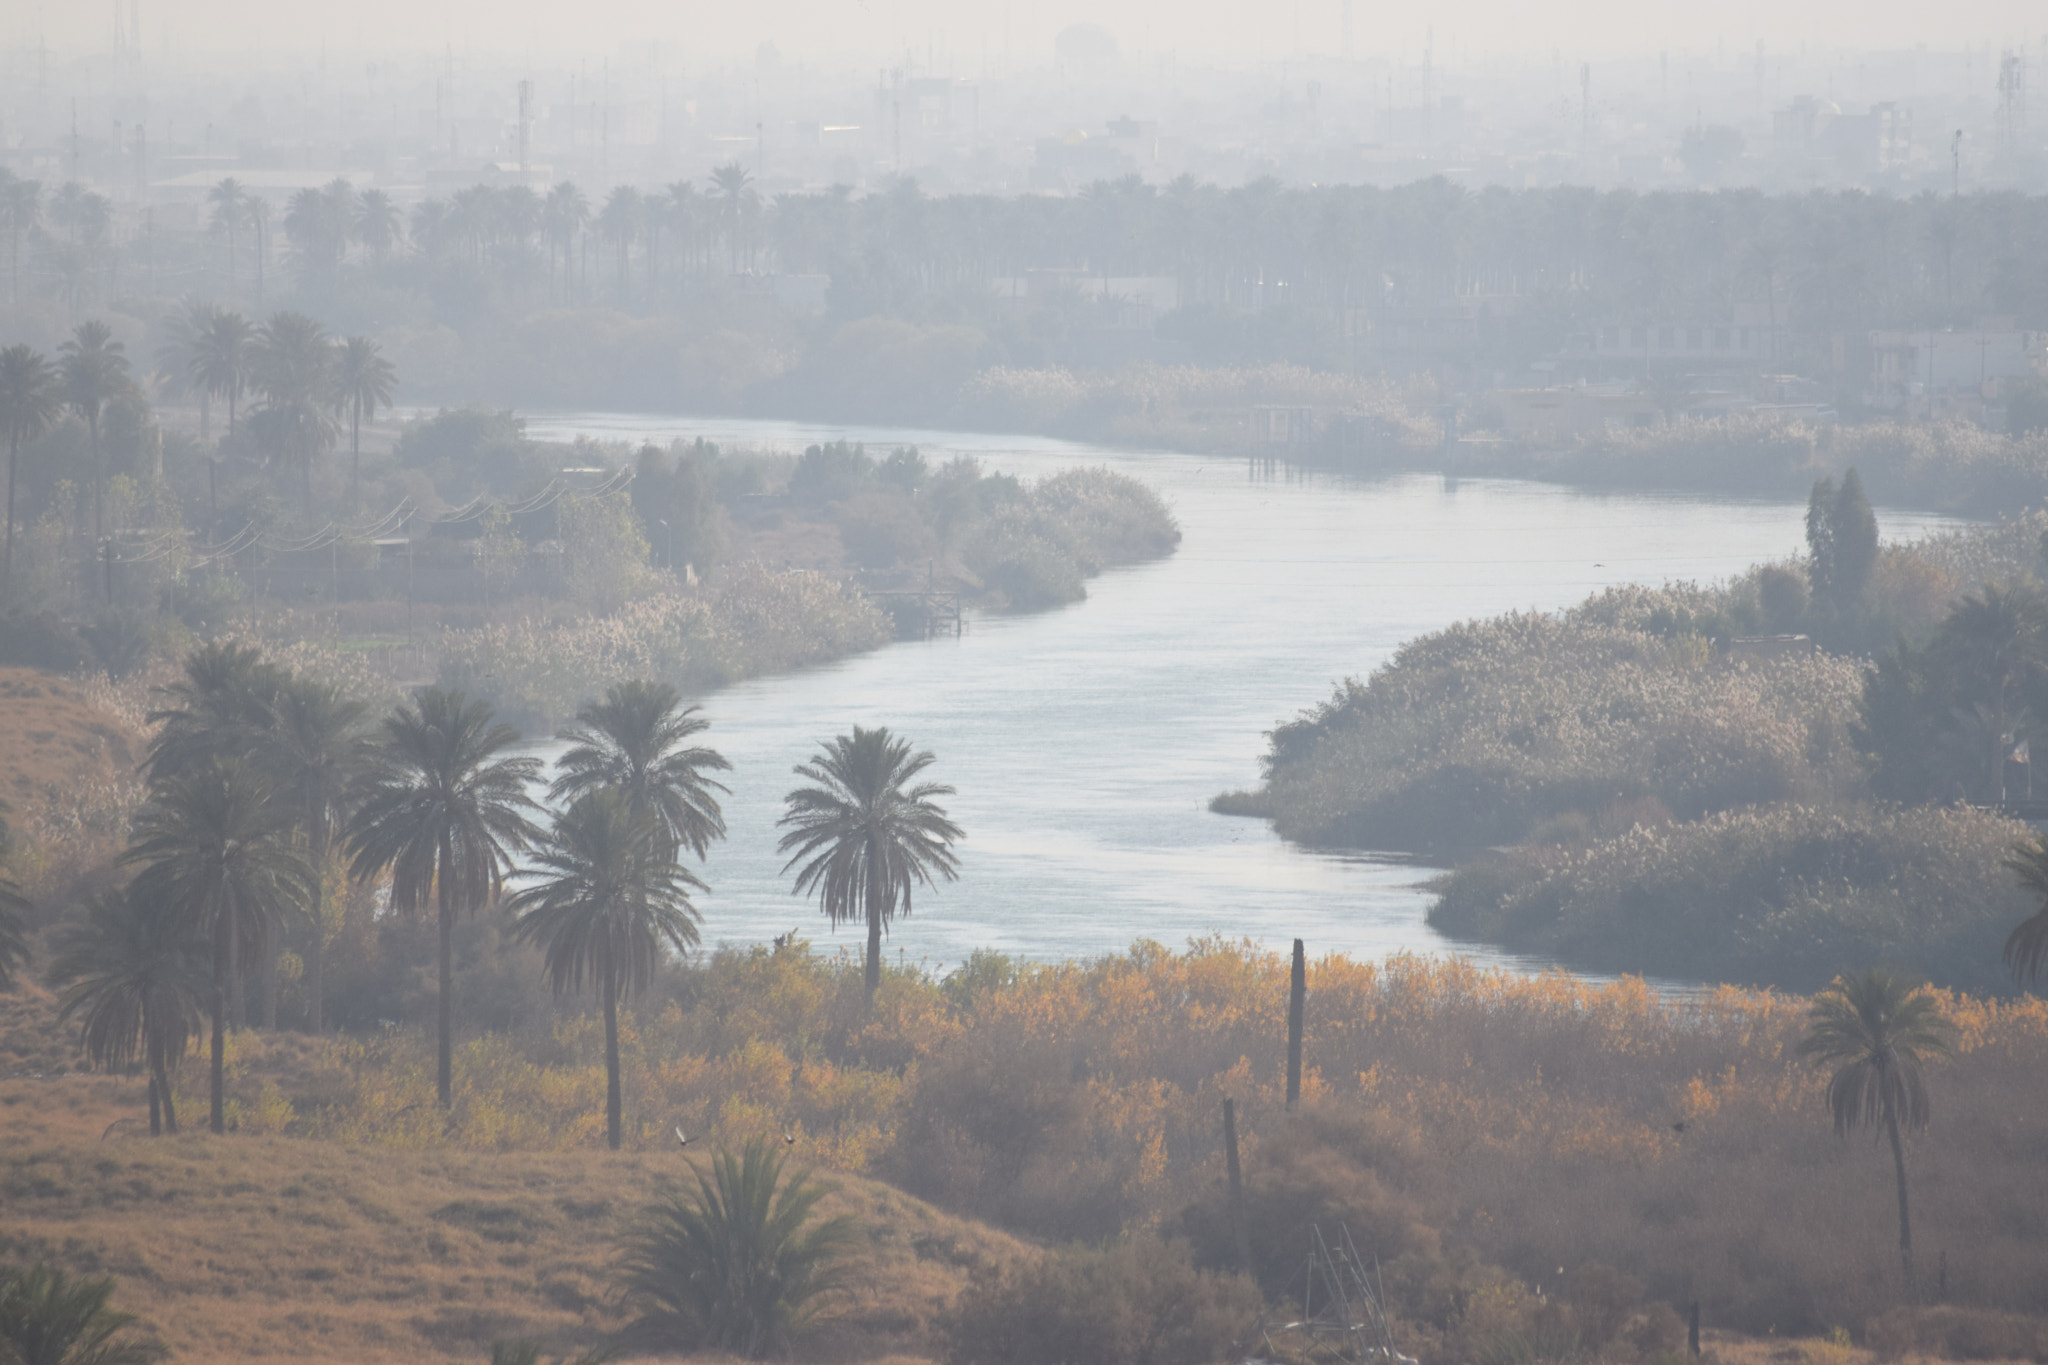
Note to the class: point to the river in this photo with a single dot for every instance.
(1086, 742)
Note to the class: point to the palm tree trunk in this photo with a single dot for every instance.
(92, 422)
(7, 564)
(614, 1107)
(355, 457)
(238, 986)
(1891, 1126)
(156, 1113)
(875, 909)
(272, 952)
(445, 1011)
(217, 1119)
(163, 1088)
(316, 948)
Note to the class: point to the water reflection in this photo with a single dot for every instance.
(1086, 742)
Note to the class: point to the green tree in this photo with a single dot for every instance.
(2026, 948)
(315, 750)
(292, 365)
(866, 833)
(217, 857)
(30, 400)
(732, 183)
(637, 740)
(221, 705)
(221, 357)
(738, 1263)
(608, 893)
(230, 207)
(49, 1318)
(363, 381)
(1841, 533)
(1876, 1030)
(443, 806)
(134, 978)
(93, 371)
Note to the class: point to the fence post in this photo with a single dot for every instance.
(1297, 992)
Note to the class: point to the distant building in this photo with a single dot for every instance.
(1951, 370)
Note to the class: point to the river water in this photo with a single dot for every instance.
(1086, 742)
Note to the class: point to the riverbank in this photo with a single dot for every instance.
(1684, 781)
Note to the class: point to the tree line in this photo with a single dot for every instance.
(263, 786)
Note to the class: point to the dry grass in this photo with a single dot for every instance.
(52, 737)
(262, 1248)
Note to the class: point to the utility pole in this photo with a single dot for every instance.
(1297, 993)
(525, 126)
(1955, 153)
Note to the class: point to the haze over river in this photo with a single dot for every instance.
(1087, 741)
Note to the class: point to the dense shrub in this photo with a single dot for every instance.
(1138, 1303)
(1786, 896)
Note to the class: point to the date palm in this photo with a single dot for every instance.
(378, 224)
(731, 181)
(134, 979)
(220, 706)
(867, 833)
(608, 894)
(636, 739)
(30, 401)
(92, 371)
(444, 806)
(2026, 948)
(21, 208)
(217, 857)
(563, 214)
(1877, 1030)
(363, 381)
(736, 1264)
(292, 365)
(49, 1318)
(314, 749)
(230, 207)
(220, 358)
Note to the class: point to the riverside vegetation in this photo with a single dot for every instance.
(1641, 783)
(1046, 1136)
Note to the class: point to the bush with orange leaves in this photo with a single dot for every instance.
(1485, 1135)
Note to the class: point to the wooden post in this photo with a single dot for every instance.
(1297, 992)
(1692, 1328)
(1239, 1236)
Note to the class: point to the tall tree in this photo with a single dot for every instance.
(30, 399)
(444, 806)
(134, 978)
(230, 208)
(737, 1263)
(363, 381)
(220, 705)
(220, 358)
(216, 855)
(1841, 533)
(314, 749)
(867, 832)
(2026, 948)
(622, 219)
(292, 365)
(731, 181)
(21, 207)
(93, 371)
(637, 739)
(608, 894)
(563, 215)
(378, 224)
(177, 359)
(1877, 1030)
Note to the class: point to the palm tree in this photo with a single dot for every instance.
(220, 358)
(222, 706)
(48, 1318)
(635, 740)
(293, 365)
(21, 206)
(621, 220)
(731, 181)
(2026, 948)
(134, 978)
(314, 749)
(444, 807)
(735, 1264)
(609, 893)
(177, 358)
(1876, 1030)
(93, 371)
(378, 224)
(216, 855)
(363, 380)
(230, 207)
(865, 837)
(29, 403)
(563, 215)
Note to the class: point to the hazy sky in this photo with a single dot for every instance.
(854, 32)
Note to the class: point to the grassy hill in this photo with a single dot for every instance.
(265, 1248)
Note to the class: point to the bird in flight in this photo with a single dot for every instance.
(789, 1139)
(681, 1141)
